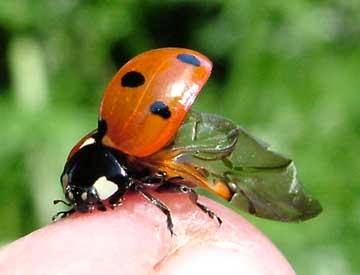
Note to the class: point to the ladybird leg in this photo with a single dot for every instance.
(116, 200)
(193, 197)
(61, 201)
(100, 206)
(156, 178)
(123, 186)
(159, 204)
(62, 214)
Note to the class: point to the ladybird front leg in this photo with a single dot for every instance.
(61, 201)
(116, 200)
(123, 186)
(100, 206)
(62, 214)
(159, 204)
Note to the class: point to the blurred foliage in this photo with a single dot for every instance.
(286, 70)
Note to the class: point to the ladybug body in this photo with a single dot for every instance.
(142, 108)
(147, 138)
(97, 177)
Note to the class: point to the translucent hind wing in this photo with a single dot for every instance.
(262, 182)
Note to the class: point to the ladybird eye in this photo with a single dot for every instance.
(84, 196)
(65, 181)
(70, 195)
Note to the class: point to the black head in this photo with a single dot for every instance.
(94, 174)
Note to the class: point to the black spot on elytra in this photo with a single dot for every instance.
(161, 109)
(189, 59)
(132, 79)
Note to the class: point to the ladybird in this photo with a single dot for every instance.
(148, 139)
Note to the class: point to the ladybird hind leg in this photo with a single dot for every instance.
(156, 178)
(159, 204)
(175, 187)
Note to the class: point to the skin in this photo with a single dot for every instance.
(133, 239)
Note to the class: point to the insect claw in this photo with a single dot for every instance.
(62, 214)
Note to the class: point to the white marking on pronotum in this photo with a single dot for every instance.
(87, 142)
(105, 188)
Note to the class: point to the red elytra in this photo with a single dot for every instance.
(170, 79)
(149, 97)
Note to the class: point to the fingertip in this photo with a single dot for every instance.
(235, 247)
(126, 239)
(221, 258)
(133, 239)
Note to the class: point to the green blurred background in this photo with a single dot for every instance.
(286, 70)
